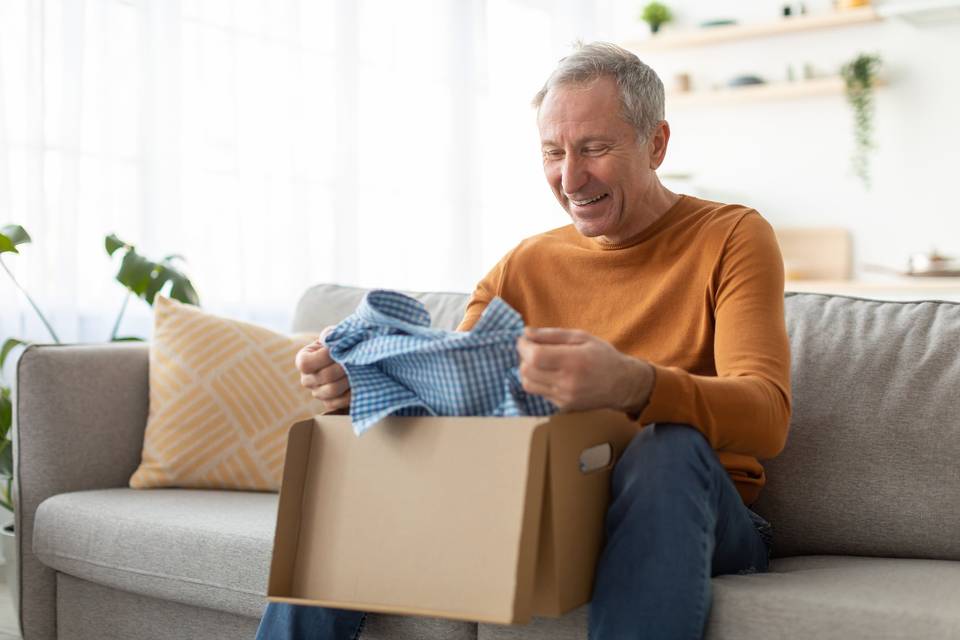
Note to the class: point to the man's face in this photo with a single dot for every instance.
(599, 171)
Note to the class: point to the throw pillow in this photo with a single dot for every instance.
(223, 394)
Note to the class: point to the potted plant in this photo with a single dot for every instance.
(142, 278)
(860, 75)
(656, 14)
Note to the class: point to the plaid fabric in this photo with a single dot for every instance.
(398, 365)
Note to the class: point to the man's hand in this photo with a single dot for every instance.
(326, 380)
(577, 371)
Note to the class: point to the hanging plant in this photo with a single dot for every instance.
(860, 75)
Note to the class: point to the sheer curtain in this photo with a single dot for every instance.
(274, 144)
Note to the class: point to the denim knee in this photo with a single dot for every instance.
(662, 453)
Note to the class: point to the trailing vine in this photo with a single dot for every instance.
(860, 75)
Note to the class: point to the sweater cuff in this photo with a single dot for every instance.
(667, 389)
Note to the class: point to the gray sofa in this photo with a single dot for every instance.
(865, 499)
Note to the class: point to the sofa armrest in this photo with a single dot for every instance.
(79, 418)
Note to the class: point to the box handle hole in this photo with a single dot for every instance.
(596, 458)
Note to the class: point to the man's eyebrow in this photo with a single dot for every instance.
(580, 142)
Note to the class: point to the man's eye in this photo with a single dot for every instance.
(594, 151)
(552, 153)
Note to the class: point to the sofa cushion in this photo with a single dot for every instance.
(207, 549)
(223, 394)
(821, 597)
(327, 304)
(870, 465)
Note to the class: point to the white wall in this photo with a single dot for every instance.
(790, 159)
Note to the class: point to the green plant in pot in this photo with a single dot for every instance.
(142, 278)
(656, 14)
(860, 77)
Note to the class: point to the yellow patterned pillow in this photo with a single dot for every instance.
(222, 395)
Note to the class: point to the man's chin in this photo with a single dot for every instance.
(589, 228)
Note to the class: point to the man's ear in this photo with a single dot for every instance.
(657, 144)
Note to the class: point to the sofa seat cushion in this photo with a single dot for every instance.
(198, 547)
(202, 548)
(823, 597)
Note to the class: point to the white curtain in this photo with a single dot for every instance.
(274, 144)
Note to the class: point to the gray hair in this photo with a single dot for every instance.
(641, 91)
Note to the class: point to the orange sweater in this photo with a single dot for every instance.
(698, 294)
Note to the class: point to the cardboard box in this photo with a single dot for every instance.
(483, 519)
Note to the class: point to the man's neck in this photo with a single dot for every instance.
(651, 208)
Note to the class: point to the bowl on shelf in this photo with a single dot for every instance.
(933, 264)
(745, 81)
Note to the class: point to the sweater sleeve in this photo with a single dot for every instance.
(745, 408)
(486, 290)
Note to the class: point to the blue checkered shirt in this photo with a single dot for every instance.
(398, 365)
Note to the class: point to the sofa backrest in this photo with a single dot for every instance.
(872, 462)
(327, 304)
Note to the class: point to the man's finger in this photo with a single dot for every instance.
(537, 388)
(528, 372)
(333, 390)
(541, 356)
(555, 336)
(343, 402)
(311, 360)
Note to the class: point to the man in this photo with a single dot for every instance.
(666, 307)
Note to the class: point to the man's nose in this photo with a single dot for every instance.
(573, 174)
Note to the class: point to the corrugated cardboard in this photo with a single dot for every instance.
(485, 519)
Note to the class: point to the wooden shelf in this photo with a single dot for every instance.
(729, 33)
(759, 92)
(903, 288)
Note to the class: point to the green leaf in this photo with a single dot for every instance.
(6, 412)
(128, 339)
(161, 277)
(8, 346)
(112, 243)
(6, 458)
(183, 290)
(135, 271)
(6, 500)
(10, 236)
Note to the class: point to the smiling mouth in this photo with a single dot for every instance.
(588, 201)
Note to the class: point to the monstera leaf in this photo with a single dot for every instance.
(146, 278)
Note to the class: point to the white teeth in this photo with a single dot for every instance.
(581, 203)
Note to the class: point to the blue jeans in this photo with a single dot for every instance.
(675, 520)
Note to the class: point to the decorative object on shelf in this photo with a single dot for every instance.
(745, 80)
(719, 22)
(681, 82)
(933, 264)
(860, 78)
(656, 14)
(723, 30)
(852, 4)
